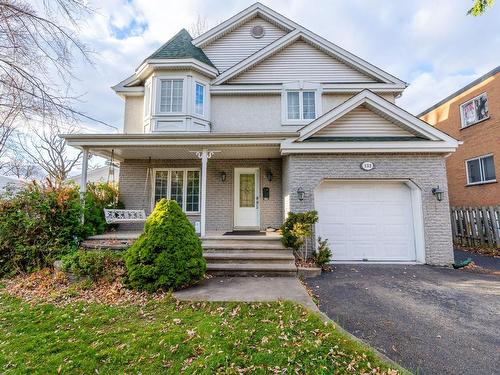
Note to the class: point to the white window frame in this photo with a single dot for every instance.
(157, 95)
(462, 118)
(202, 114)
(300, 87)
(481, 173)
(184, 186)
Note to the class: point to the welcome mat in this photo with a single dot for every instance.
(244, 233)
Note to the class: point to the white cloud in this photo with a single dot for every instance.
(430, 44)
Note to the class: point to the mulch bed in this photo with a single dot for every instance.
(49, 286)
(486, 251)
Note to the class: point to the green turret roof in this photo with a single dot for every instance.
(180, 47)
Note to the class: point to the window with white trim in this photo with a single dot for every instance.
(474, 111)
(480, 170)
(181, 185)
(301, 105)
(170, 95)
(199, 99)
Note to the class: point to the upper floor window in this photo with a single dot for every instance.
(474, 111)
(301, 105)
(171, 95)
(199, 100)
(480, 170)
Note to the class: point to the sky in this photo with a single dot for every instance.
(430, 44)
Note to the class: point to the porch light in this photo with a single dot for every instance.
(438, 193)
(223, 176)
(301, 193)
(269, 175)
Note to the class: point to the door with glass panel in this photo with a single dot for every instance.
(246, 198)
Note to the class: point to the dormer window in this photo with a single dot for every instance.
(171, 95)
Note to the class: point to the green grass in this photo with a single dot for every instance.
(171, 337)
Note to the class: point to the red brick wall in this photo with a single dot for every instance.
(478, 139)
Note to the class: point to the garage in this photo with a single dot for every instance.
(371, 221)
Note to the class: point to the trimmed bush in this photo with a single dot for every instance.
(168, 255)
(297, 227)
(323, 254)
(94, 264)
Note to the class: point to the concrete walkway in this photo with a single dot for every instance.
(248, 289)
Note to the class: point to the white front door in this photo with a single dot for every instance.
(246, 198)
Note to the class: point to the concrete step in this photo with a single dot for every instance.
(277, 257)
(246, 247)
(252, 269)
(106, 245)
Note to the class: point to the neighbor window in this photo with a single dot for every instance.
(171, 95)
(474, 110)
(199, 99)
(181, 185)
(480, 170)
(301, 105)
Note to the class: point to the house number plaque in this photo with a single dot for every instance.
(367, 166)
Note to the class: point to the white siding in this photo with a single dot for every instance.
(301, 61)
(239, 44)
(361, 122)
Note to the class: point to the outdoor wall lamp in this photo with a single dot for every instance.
(438, 193)
(223, 176)
(301, 193)
(269, 175)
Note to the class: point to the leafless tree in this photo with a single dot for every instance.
(198, 27)
(44, 148)
(38, 45)
(20, 167)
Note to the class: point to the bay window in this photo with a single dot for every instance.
(199, 99)
(480, 170)
(181, 185)
(171, 95)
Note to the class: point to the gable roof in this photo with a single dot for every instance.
(254, 10)
(181, 47)
(316, 41)
(389, 111)
(484, 77)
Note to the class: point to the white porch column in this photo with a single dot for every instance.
(204, 161)
(83, 179)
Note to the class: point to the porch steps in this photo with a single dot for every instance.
(248, 256)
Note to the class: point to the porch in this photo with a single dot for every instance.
(222, 182)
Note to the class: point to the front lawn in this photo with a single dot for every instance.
(166, 336)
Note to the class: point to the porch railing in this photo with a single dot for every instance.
(476, 226)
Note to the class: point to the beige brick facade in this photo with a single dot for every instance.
(135, 193)
(307, 171)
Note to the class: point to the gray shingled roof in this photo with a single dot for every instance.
(180, 47)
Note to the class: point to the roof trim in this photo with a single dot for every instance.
(240, 18)
(477, 81)
(388, 108)
(317, 42)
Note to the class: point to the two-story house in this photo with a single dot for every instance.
(258, 117)
(472, 115)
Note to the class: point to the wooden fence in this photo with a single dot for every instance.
(476, 226)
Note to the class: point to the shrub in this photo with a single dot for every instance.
(41, 223)
(297, 227)
(168, 255)
(94, 264)
(323, 254)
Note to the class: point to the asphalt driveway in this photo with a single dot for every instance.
(430, 320)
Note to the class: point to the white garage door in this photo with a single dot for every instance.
(366, 221)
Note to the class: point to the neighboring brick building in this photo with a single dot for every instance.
(472, 115)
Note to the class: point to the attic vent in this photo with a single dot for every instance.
(257, 31)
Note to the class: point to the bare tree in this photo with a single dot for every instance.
(198, 27)
(46, 149)
(20, 167)
(38, 44)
